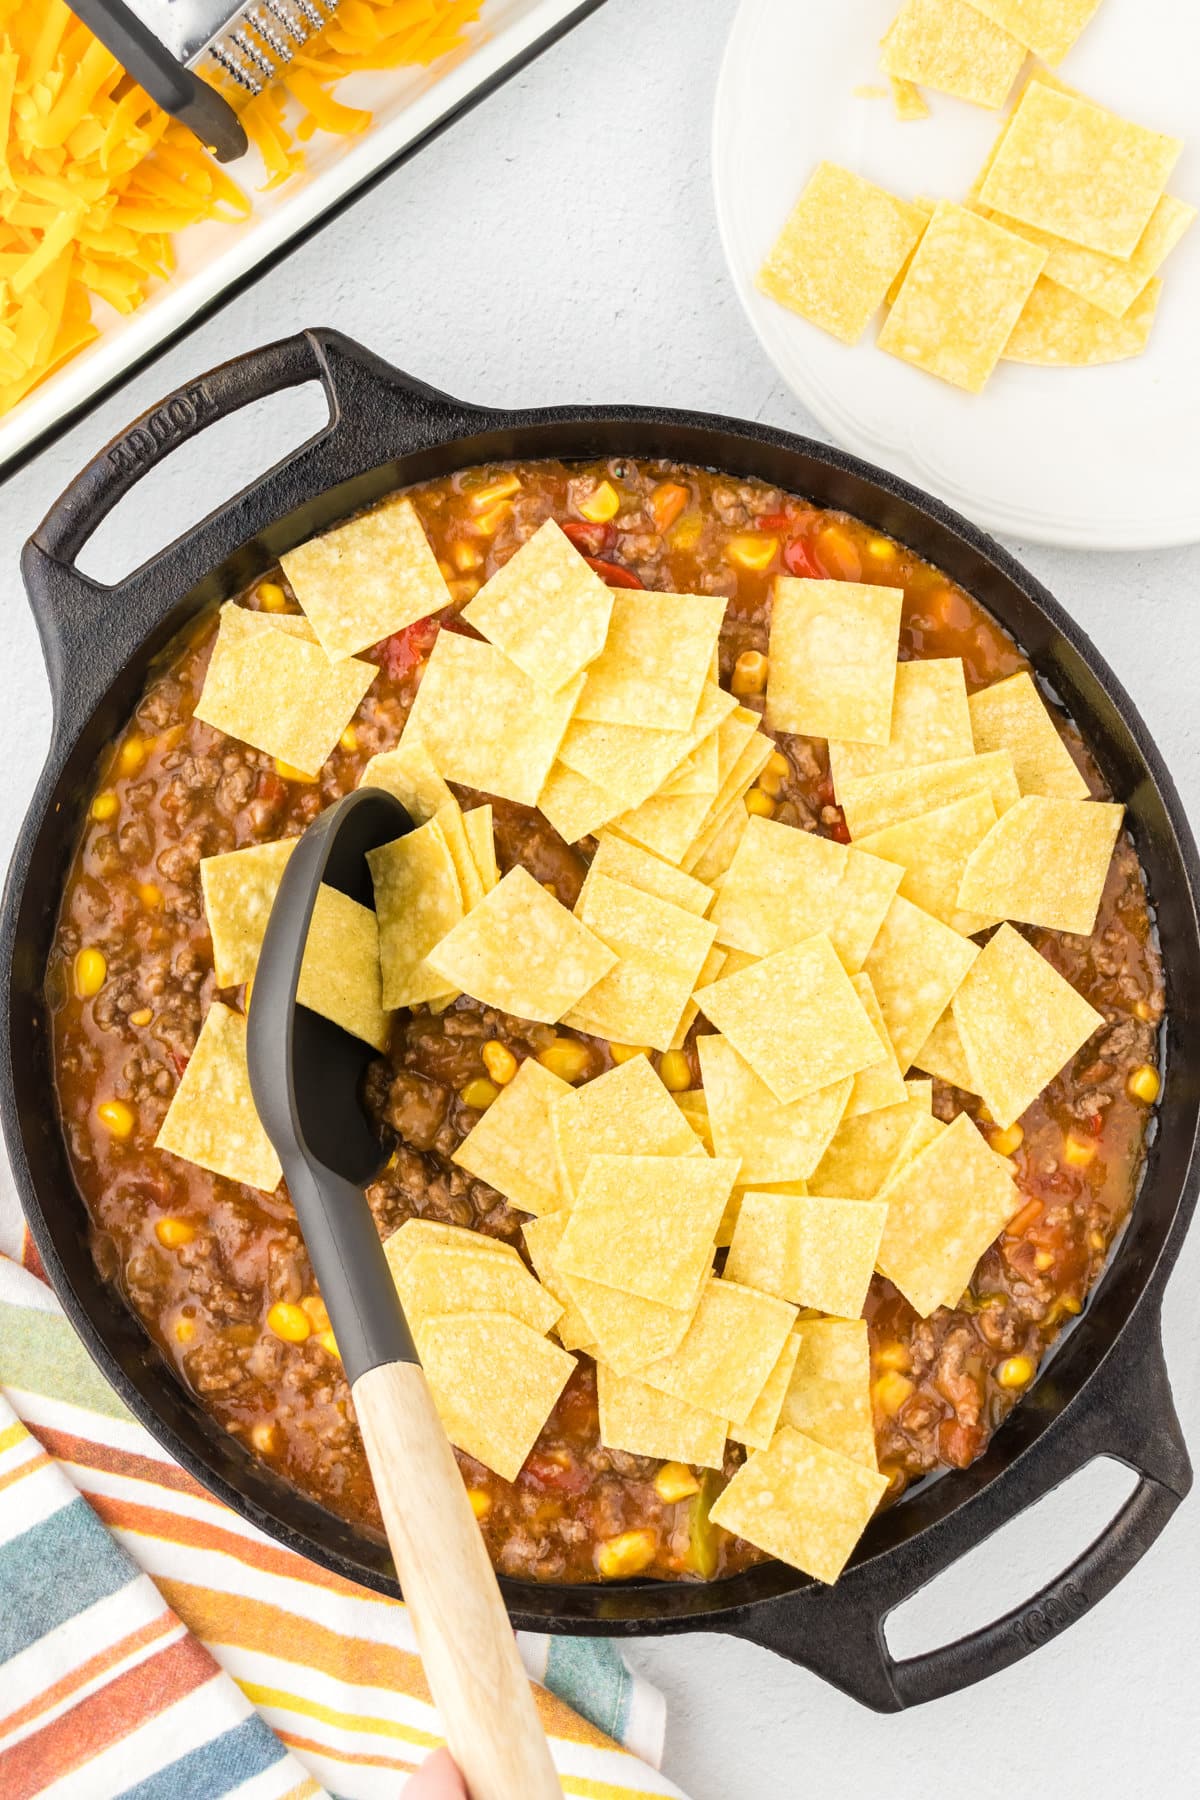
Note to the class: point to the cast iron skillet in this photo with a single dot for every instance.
(1104, 1393)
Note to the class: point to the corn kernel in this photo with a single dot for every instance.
(479, 1093)
(749, 673)
(1043, 1260)
(778, 764)
(881, 548)
(1016, 1372)
(893, 1356)
(150, 895)
(263, 1438)
(481, 1501)
(328, 1343)
(1144, 1084)
(503, 488)
(290, 772)
(349, 740)
(116, 1118)
(1005, 1143)
(90, 971)
(105, 806)
(1144, 1010)
(625, 1555)
(463, 588)
(185, 1330)
(1065, 1307)
(487, 524)
(983, 1115)
(770, 782)
(499, 1062)
(675, 1481)
(565, 1057)
(131, 756)
(271, 596)
(685, 533)
(173, 1234)
(760, 804)
(752, 550)
(675, 1070)
(623, 1053)
(291, 1323)
(601, 505)
(314, 1306)
(1078, 1152)
(465, 556)
(142, 1016)
(891, 1391)
(1096, 1240)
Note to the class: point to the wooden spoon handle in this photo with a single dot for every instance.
(475, 1674)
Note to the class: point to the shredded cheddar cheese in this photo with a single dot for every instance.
(95, 179)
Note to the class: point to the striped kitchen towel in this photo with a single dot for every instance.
(155, 1646)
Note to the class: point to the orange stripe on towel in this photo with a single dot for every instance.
(87, 1671)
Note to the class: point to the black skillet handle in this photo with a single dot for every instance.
(90, 629)
(838, 1632)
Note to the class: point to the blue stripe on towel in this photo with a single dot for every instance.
(213, 1769)
(55, 1570)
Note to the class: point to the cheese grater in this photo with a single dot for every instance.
(199, 60)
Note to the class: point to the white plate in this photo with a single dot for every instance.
(408, 105)
(1099, 458)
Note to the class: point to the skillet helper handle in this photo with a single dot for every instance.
(467, 1645)
(1127, 1413)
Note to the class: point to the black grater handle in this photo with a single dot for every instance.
(207, 114)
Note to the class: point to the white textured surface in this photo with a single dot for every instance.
(559, 245)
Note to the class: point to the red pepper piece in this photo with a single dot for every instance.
(799, 560)
(613, 574)
(589, 540)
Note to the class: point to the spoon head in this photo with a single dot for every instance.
(306, 1073)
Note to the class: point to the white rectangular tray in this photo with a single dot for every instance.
(216, 259)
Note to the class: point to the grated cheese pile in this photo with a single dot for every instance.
(95, 179)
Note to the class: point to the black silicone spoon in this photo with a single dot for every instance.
(306, 1076)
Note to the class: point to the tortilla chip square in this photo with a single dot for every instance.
(668, 824)
(655, 660)
(1047, 27)
(696, 774)
(750, 763)
(878, 800)
(951, 47)
(644, 1421)
(622, 860)
(814, 1250)
(843, 241)
(930, 723)
(512, 1146)
(1112, 283)
(795, 1018)
(785, 885)
(658, 950)
(575, 806)
(416, 1235)
(484, 723)
(1057, 327)
(1011, 715)
(520, 950)
(921, 1092)
(624, 1331)
(541, 1240)
(880, 1084)
(933, 849)
(481, 841)
(801, 1503)
(943, 1210)
(712, 966)
(832, 665)
(728, 1351)
(963, 294)
(341, 977)
(451, 1278)
(829, 1395)
(630, 762)
(494, 1381)
(545, 608)
(417, 901)
(943, 1055)
(866, 1150)
(624, 1112)
(645, 1224)
(774, 1142)
(409, 775)
(450, 818)
(274, 690)
(916, 965)
(762, 1421)
(211, 1120)
(1075, 169)
(720, 847)
(239, 889)
(366, 579)
(1019, 1023)
(1044, 862)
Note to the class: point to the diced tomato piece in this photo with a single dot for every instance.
(776, 521)
(589, 540)
(271, 787)
(399, 654)
(566, 1476)
(798, 559)
(613, 574)
(839, 831)
(1095, 1124)
(959, 1444)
